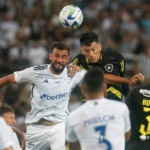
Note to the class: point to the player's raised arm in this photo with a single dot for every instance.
(113, 79)
(7, 80)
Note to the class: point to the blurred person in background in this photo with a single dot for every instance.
(37, 54)
(93, 126)
(6, 142)
(9, 116)
(144, 60)
(138, 102)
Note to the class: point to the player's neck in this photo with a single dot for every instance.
(93, 96)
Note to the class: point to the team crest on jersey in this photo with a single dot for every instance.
(145, 92)
(109, 67)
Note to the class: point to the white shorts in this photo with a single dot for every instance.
(40, 137)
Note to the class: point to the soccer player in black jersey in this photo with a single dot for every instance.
(138, 102)
(110, 61)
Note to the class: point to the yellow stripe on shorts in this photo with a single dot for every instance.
(115, 91)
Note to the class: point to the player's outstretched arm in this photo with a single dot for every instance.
(7, 80)
(112, 79)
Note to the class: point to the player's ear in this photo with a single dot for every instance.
(68, 59)
(100, 45)
(104, 89)
(82, 51)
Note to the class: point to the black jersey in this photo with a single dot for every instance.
(138, 102)
(111, 62)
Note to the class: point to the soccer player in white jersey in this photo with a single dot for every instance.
(98, 124)
(49, 99)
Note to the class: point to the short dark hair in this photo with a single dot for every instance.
(5, 108)
(60, 46)
(88, 38)
(93, 80)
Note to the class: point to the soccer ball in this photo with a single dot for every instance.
(71, 16)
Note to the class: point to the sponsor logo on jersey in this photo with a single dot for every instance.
(53, 97)
(145, 92)
(102, 119)
(109, 67)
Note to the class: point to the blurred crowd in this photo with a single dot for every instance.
(28, 28)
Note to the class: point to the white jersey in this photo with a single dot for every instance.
(50, 92)
(5, 138)
(99, 125)
(16, 141)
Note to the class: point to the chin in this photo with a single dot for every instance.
(92, 61)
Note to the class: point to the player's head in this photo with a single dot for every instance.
(59, 57)
(93, 85)
(90, 46)
(7, 112)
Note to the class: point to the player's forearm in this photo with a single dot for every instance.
(8, 148)
(19, 132)
(127, 135)
(7, 80)
(21, 135)
(112, 79)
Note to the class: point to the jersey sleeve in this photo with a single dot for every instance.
(70, 134)
(26, 75)
(125, 87)
(79, 76)
(130, 100)
(76, 60)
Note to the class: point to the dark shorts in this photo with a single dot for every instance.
(112, 96)
(138, 145)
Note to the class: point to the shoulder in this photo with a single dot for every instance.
(111, 54)
(79, 58)
(117, 106)
(74, 115)
(40, 67)
(37, 69)
(142, 90)
(81, 73)
(2, 121)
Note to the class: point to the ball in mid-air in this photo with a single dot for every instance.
(71, 16)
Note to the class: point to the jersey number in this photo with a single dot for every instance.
(143, 129)
(101, 130)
